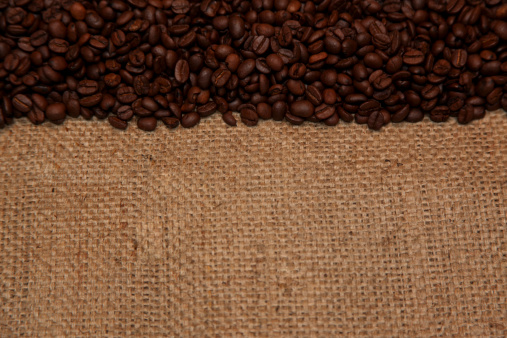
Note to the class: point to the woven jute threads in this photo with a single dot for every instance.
(268, 231)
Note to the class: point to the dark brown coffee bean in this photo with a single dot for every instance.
(440, 114)
(373, 60)
(430, 92)
(296, 87)
(39, 38)
(87, 87)
(236, 27)
(413, 57)
(297, 71)
(302, 108)
(147, 123)
(466, 114)
(141, 85)
(229, 119)
(59, 46)
(368, 107)
(22, 103)
(401, 114)
(293, 119)
(56, 111)
(376, 120)
(264, 111)
(125, 113)
(220, 77)
(314, 95)
(208, 109)
(415, 115)
(171, 122)
(324, 111)
(459, 58)
(90, 101)
(275, 62)
(190, 120)
(279, 110)
(117, 123)
(246, 68)
(249, 117)
(126, 95)
(182, 71)
(112, 80)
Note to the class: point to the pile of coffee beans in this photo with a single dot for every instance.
(177, 61)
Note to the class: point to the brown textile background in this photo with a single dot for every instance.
(272, 230)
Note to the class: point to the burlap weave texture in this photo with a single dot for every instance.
(267, 231)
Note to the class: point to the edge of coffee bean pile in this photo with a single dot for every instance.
(177, 61)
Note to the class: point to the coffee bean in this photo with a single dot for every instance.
(229, 119)
(171, 122)
(39, 38)
(147, 123)
(56, 111)
(117, 123)
(459, 58)
(413, 57)
(22, 103)
(59, 46)
(190, 120)
(112, 80)
(90, 101)
(264, 111)
(279, 110)
(324, 111)
(220, 77)
(439, 114)
(208, 109)
(302, 108)
(78, 11)
(275, 62)
(376, 120)
(182, 71)
(236, 27)
(87, 87)
(373, 60)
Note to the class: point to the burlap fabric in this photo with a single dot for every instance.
(274, 230)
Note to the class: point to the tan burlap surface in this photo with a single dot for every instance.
(267, 231)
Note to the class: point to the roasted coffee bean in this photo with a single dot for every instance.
(170, 122)
(324, 111)
(87, 87)
(126, 95)
(220, 77)
(208, 109)
(439, 114)
(22, 103)
(90, 101)
(376, 120)
(459, 58)
(302, 108)
(147, 123)
(58, 46)
(56, 111)
(182, 71)
(117, 123)
(229, 119)
(190, 120)
(112, 80)
(125, 113)
(413, 57)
